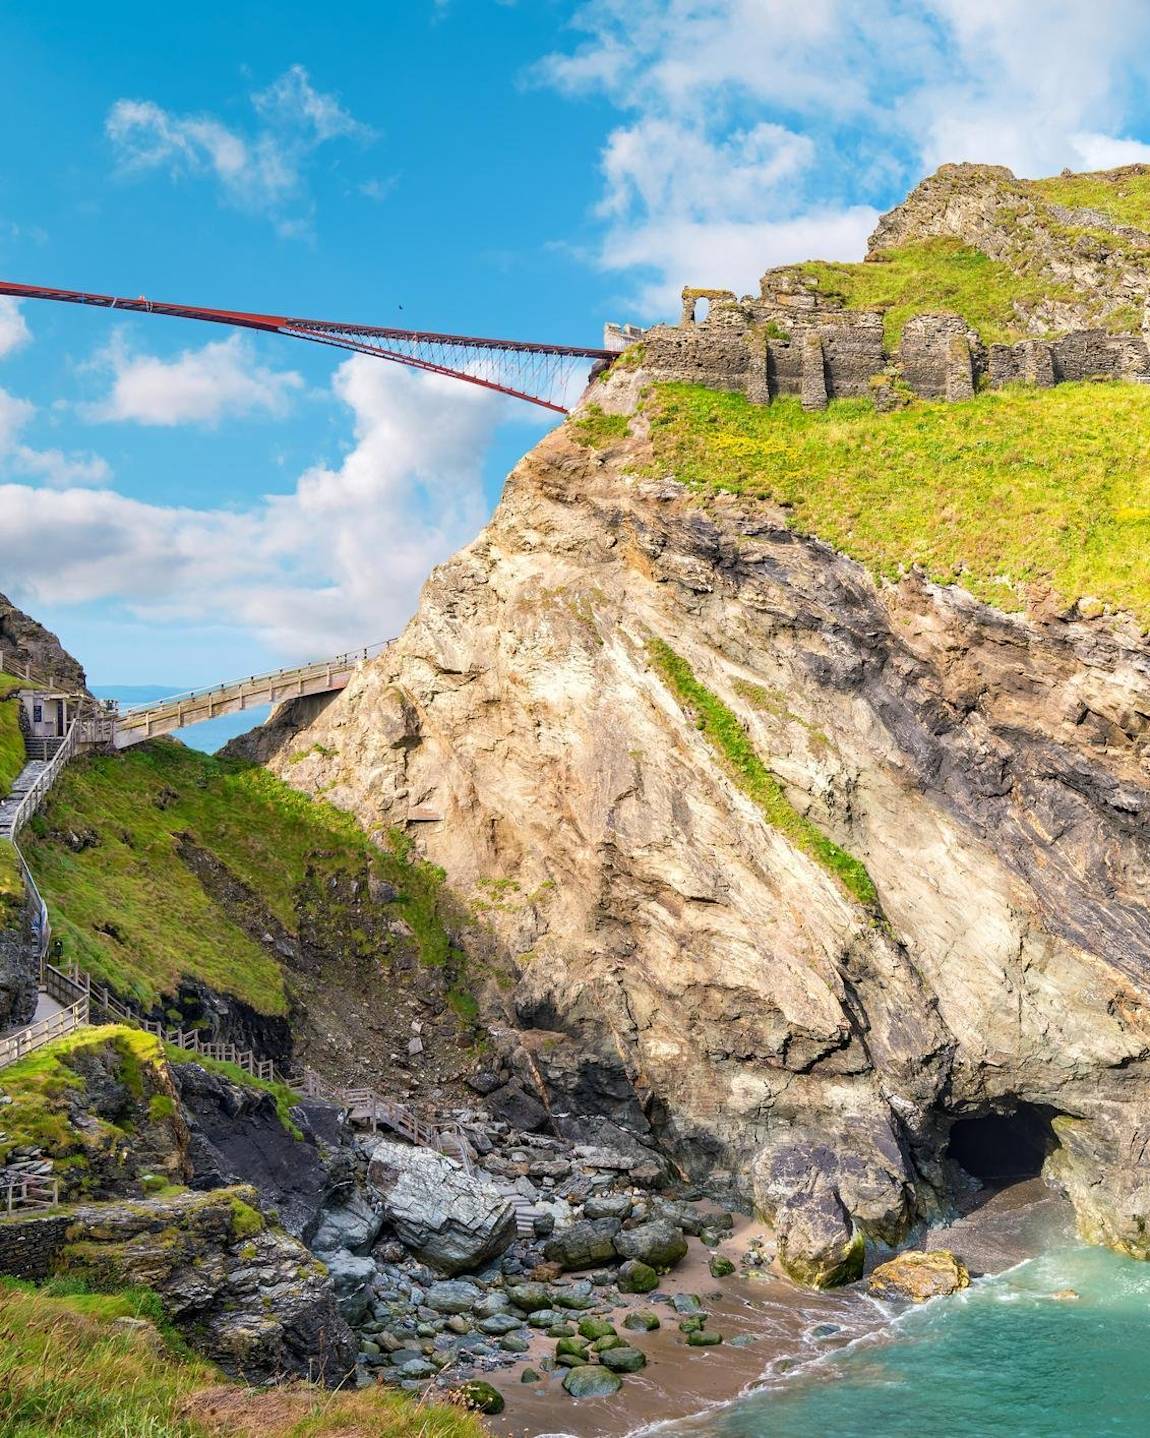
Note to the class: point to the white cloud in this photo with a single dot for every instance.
(753, 124)
(260, 169)
(1107, 152)
(220, 380)
(50, 466)
(14, 415)
(336, 561)
(14, 330)
(293, 103)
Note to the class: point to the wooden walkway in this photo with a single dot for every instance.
(69, 999)
(146, 721)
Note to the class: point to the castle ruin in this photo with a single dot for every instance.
(796, 340)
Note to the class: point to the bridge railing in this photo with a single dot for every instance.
(338, 663)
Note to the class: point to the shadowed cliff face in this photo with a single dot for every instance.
(679, 958)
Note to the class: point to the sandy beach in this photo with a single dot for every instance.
(769, 1326)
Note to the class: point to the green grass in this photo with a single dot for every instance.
(12, 895)
(1016, 492)
(43, 1088)
(726, 735)
(934, 275)
(1125, 198)
(68, 1370)
(284, 1097)
(596, 429)
(128, 907)
(12, 755)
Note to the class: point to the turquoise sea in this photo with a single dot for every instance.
(1005, 1359)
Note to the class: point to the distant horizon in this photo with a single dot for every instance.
(209, 735)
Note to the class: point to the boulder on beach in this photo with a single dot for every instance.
(658, 1243)
(818, 1243)
(584, 1245)
(636, 1277)
(919, 1275)
(453, 1222)
(623, 1360)
(592, 1381)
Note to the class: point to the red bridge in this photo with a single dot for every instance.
(539, 373)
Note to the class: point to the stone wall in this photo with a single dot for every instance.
(794, 340)
(31, 1244)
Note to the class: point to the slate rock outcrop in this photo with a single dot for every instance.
(453, 1222)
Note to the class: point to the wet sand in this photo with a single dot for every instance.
(769, 1326)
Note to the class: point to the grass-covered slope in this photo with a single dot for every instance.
(1013, 489)
(81, 1365)
(935, 275)
(729, 739)
(110, 856)
(11, 739)
(46, 1088)
(1122, 195)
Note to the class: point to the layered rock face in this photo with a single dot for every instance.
(674, 960)
(1096, 266)
(23, 642)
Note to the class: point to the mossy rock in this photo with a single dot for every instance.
(623, 1360)
(602, 1345)
(479, 1396)
(704, 1339)
(592, 1381)
(720, 1267)
(645, 1322)
(636, 1277)
(577, 1346)
(592, 1328)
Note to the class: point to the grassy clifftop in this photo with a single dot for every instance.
(933, 275)
(162, 862)
(1013, 492)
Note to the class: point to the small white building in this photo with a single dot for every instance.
(48, 714)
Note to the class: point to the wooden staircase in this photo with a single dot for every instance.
(366, 1107)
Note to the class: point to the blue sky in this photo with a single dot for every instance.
(181, 503)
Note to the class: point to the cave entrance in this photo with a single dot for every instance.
(1004, 1148)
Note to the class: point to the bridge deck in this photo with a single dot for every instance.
(147, 721)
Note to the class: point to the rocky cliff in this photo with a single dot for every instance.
(796, 867)
(1084, 238)
(25, 642)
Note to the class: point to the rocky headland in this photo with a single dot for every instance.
(742, 852)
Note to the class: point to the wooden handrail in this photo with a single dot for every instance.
(377, 1109)
(29, 1192)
